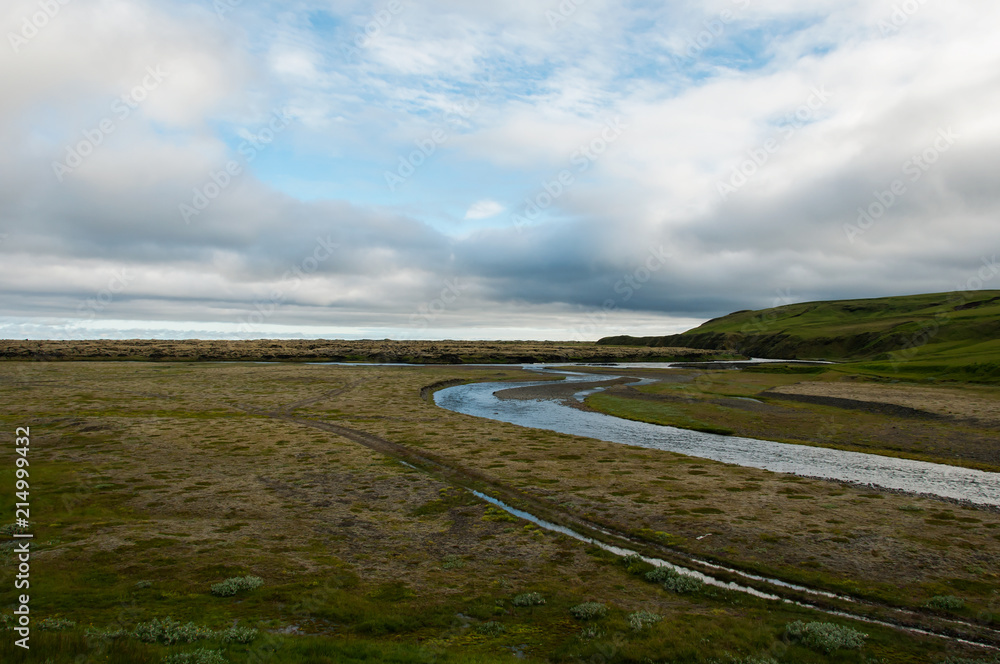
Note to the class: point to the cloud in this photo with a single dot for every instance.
(483, 209)
(487, 103)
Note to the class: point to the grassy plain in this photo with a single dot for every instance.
(153, 481)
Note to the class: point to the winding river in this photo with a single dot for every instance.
(920, 477)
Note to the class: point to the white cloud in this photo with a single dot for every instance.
(483, 209)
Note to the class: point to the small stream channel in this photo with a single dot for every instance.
(712, 581)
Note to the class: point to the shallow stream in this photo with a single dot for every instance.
(907, 475)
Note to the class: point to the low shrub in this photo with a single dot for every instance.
(589, 611)
(170, 631)
(661, 574)
(946, 602)
(630, 559)
(529, 599)
(640, 620)
(674, 581)
(237, 634)
(682, 583)
(634, 564)
(55, 624)
(825, 637)
(452, 562)
(491, 628)
(233, 585)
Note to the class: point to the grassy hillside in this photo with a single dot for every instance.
(954, 334)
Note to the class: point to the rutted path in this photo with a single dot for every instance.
(290, 408)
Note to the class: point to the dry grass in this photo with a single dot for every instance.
(978, 403)
(813, 530)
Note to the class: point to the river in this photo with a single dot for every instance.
(920, 477)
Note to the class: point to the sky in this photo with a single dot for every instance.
(531, 169)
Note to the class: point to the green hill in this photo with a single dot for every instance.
(954, 334)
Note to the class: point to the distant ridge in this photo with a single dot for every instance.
(950, 329)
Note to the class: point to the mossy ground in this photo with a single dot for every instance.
(181, 475)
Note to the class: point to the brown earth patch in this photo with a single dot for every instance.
(978, 403)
